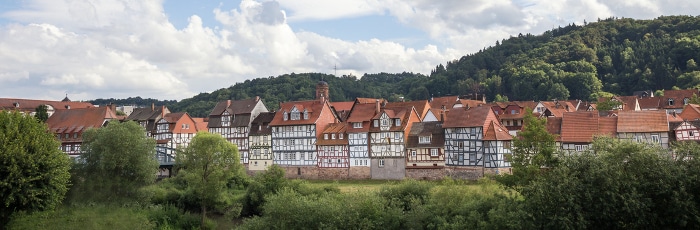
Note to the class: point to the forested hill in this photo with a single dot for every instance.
(617, 56)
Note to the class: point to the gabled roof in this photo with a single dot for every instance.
(363, 100)
(470, 103)
(447, 102)
(31, 105)
(474, 117)
(607, 126)
(496, 132)
(691, 112)
(261, 124)
(649, 103)
(235, 106)
(677, 96)
(335, 128)
(79, 120)
(421, 106)
(432, 129)
(402, 113)
(149, 113)
(200, 124)
(579, 127)
(642, 121)
(554, 127)
(313, 107)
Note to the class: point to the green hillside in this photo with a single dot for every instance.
(617, 56)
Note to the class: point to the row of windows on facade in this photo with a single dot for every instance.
(66, 136)
(385, 122)
(166, 127)
(302, 128)
(433, 153)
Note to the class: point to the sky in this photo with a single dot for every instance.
(175, 49)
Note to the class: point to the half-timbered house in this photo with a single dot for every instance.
(475, 138)
(174, 130)
(688, 131)
(260, 139)
(332, 147)
(29, 106)
(387, 134)
(425, 157)
(232, 120)
(147, 117)
(295, 129)
(579, 129)
(68, 125)
(643, 126)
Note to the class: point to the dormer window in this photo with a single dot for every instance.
(376, 123)
(357, 125)
(340, 136)
(686, 101)
(424, 140)
(325, 136)
(397, 122)
(670, 101)
(306, 115)
(225, 119)
(285, 116)
(295, 115)
(385, 122)
(185, 126)
(75, 135)
(333, 136)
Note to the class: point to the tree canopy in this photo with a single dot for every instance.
(33, 171)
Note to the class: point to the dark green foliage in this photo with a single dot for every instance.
(407, 194)
(41, 113)
(135, 101)
(622, 185)
(118, 160)
(33, 171)
(263, 184)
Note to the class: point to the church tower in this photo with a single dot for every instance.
(322, 91)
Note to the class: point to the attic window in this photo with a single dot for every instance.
(685, 101)
(285, 116)
(306, 115)
(340, 136)
(670, 101)
(398, 122)
(295, 115)
(376, 123)
(424, 139)
(357, 125)
(325, 136)
(75, 135)
(333, 136)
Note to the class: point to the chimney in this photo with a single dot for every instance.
(162, 111)
(153, 106)
(113, 107)
(377, 107)
(442, 116)
(228, 103)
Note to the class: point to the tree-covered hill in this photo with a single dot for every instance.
(613, 55)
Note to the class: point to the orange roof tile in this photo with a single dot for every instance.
(421, 106)
(79, 120)
(691, 112)
(313, 107)
(579, 126)
(474, 117)
(30, 105)
(642, 121)
(335, 128)
(496, 132)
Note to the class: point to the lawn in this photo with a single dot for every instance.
(347, 186)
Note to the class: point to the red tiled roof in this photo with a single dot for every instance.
(691, 112)
(649, 103)
(362, 100)
(403, 113)
(421, 106)
(496, 132)
(607, 126)
(313, 107)
(200, 124)
(29, 105)
(446, 101)
(642, 121)
(343, 105)
(554, 126)
(79, 120)
(579, 127)
(335, 128)
(474, 117)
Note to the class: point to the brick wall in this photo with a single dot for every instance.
(425, 173)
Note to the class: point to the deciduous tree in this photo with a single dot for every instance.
(33, 170)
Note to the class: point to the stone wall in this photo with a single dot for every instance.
(426, 173)
(360, 173)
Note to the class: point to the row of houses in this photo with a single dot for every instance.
(377, 139)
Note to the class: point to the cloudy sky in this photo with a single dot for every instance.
(175, 49)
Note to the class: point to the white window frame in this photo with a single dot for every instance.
(357, 125)
(424, 140)
(434, 152)
(381, 162)
(285, 116)
(398, 122)
(413, 153)
(655, 138)
(385, 122)
(376, 123)
(306, 115)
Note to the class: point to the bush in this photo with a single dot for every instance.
(407, 193)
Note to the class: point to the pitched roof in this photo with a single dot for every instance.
(579, 126)
(496, 132)
(200, 124)
(554, 126)
(678, 96)
(335, 128)
(447, 102)
(649, 103)
(148, 113)
(691, 112)
(79, 120)
(474, 117)
(432, 129)
(261, 124)
(642, 121)
(421, 106)
(607, 126)
(402, 113)
(30, 105)
(363, 100)
(313, 107)
(235, 106)
(342, 105)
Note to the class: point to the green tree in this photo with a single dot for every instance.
(208, 164)
(608, 105)
(33, 171)
(533, 150)
(269, 182)
(41, 113)
(117, 161)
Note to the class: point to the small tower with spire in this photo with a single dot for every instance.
(65, 99)
(322, 91)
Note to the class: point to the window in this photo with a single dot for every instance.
(413, 153)
(670, 101)
(514, 111)
(655, 138)
(398, 122)
(306, 115)
(385, 122)
(325, 136)
(433, 152)
(333, 136)
(225, 120)
(340, 136)
(506, 144)
(691, 133)
(67, 135)
(461, 144)
(185, 126)
(295, 115)
(284, 116)
(357, 125)
(376, 123)
(75, 135)
(424, 140)
(579, 148)
(381, 162)
(685, 101)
